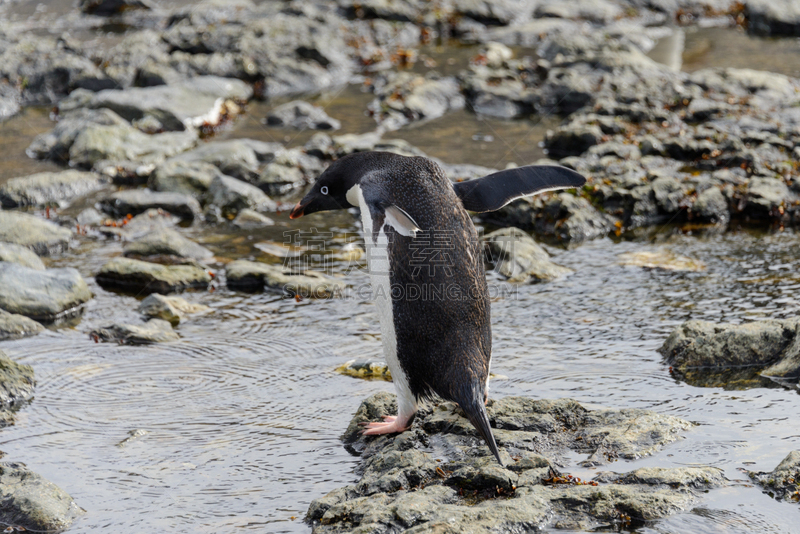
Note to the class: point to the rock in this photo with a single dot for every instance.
(136, 201)
(405, 97)
(141, 277)
(189, 104)
(784, 481)
(125, 143)
(15, 326)
(133, 435)
(45, 296)
(365, 369)
(150, 221)
(167, 245)
(773, 17)
(23, 256)
(153, 331)
(765, 197)
(232, 196)
(42, 237)
(31, 502)
(186, 177)
(572, 140)
(10, 99)
(711, 205)
(56, 143)
(48, 188)
(277, 179)
(302, 115)
(245, 275)
(240, 158)
(600, 11)
(705, 353)
(16, 380)
(402, 487)
(662, 259)
(248, 218)
(107, 8)
(171, 309)
(90, 217)
(517, 257)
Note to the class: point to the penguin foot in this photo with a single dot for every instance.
(391, 425)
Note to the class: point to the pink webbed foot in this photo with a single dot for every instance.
(391, 425)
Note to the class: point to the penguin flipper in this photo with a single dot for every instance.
(494, 191)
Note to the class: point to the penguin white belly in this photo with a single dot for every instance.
(379, 270)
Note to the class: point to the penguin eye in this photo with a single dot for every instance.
(324, 189)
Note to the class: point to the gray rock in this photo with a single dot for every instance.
(31, 502)
(232, 196)
(142, 277)
(171, 309)
(145, 223)
(189, 104)
(405, 97)
(107, 8)
(15, 326)
(255, 276)
(136, 201)
(16, 380)
(302, 115)
(572, 140)
(10, 99)
(22, 255)
(784, 480)
(153, 331)
(773, 17)
(46, 296)
(517, 257)
(56, 143)
(765, 197)
(277, 179)
(240, 158)
(167, 245)
(248, 218)
(42, 237)
(179, 176)
(662, 259)
(48, 188)
(711, 205)
(682, 477)
(90, 217)
(601, 11)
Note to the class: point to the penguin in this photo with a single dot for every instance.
(426, 267)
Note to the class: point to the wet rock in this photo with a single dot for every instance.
(232, 196)
(133, 435)
(45, 296)
(405, 97)
(125, 143)
(773, 17)
(171, 309)
(42, 237)
(90, 217)
(365, 369)
(245, 275)
(107, 8)
(784, 480)
(711, 205)
(16, 380)
(573, 140)
(48, 188)
(9, 101)
(193, 103)
(22, 255)
(145, 223)
(153, 331)
(56, 143)
(179, 176)
(517, 257)
(662, 259)
(142, 277)
(302, 115)
(31, 502)
(770, 347)
(167, 246)
(248, 218)
(765, 197)
(15, 326)
(240, 158)
(403, 488)
(277, 179)
(136, 201)
(593, 10)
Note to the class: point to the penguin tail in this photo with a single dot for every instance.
(474, 407)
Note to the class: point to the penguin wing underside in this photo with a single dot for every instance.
(401, 221)
(494, 191)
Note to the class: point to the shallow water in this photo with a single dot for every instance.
(243, 416)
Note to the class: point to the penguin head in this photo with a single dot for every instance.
(331, 188)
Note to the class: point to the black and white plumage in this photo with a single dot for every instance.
(433, 308)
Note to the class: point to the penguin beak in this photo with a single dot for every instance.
(298, 210)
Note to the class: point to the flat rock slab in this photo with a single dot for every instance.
(735, 356)
(440, 477)
(179, 176)
(48, 188)
(22, 255)
(248, 218)
(254, 276)
(142, 277)
(168, 245)
(28, 500)
(15, 326)
(171, 309)
(184, 105)
(783, 481)
(232, 195)
(46, 296)
(302, 115)
(16, 382)
(520, 259)
(153, 331)
(136, 201)
(663, 259)
(145, 223)
(240, 158)
(42, 237)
